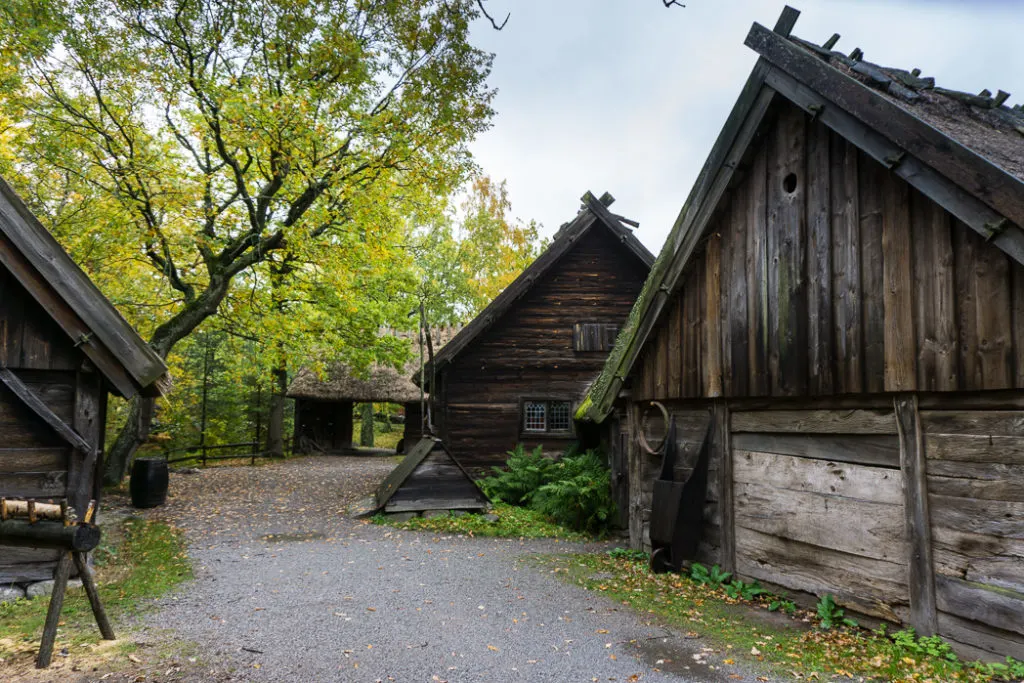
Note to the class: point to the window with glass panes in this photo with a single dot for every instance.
(547, 416)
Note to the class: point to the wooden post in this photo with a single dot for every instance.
(60, 584)
(89, 583)
(635, 476)
(919, 532)
(723, 451)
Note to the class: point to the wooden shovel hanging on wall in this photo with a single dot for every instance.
(677, 508)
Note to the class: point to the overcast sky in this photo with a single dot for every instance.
(628, 96)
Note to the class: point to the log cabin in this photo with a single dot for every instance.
(518, 370)
(842, 298)
(63, 347)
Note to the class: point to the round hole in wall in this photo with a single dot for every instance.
(789, 183)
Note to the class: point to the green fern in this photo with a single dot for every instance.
(579, 495)
(525, 474)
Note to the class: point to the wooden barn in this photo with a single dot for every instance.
(517, 371)
(842, 296)
(63, 347)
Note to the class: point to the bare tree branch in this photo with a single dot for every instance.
(495, 24)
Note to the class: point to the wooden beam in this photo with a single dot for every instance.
(19, 389)
(85, 573)
(87, 423)
(950, 196)
(787, 21)
(24, 534)
(923, 615)
(722, 446)
(976, 174)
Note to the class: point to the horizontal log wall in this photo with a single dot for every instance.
(35, 462)
(529, 353)
(819, 505)
(825, 274)
(975, 462)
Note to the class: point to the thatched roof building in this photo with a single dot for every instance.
(323, 406)
(382, 384)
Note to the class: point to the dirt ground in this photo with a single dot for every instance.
(289, 588)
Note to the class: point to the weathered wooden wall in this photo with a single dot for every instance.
(826, 274)
(819, 505)
(975, 470)
(528, 353)
(34, 461)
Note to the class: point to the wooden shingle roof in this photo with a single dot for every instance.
(964, 152)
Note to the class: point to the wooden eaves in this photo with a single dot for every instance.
(983, 195)
(56, 283)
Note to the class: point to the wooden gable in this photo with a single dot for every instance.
(824, 273)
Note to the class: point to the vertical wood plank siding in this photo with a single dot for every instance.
(846, 281)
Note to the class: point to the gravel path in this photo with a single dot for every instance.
(289, 589)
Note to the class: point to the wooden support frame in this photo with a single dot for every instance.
(60, 585)
(921, 579)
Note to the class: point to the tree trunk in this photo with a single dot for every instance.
(140, 410)
(275, 428)
(366, 433)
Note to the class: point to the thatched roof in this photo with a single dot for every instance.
(381, 384)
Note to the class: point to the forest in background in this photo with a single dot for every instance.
(258, 187)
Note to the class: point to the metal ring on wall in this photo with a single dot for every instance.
(643, 424)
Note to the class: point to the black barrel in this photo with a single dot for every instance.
(149, 482)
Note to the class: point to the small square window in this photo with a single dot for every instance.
(536, 414)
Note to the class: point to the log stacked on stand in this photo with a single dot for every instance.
(26, 523)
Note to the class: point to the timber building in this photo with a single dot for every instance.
(842, 297)
(517, 371)
(63, 347)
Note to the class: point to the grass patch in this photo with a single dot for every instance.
(149, 561)
(513, 522)
(746, 635)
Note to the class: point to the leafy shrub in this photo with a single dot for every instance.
(579, 495)
(787, 606)
(740, 590)
(713, 577)
(1011, 670)
(628, 554)
(525, 474)
(830, 614)
(906, 642)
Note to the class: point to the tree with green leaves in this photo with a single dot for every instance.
(188, 141)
